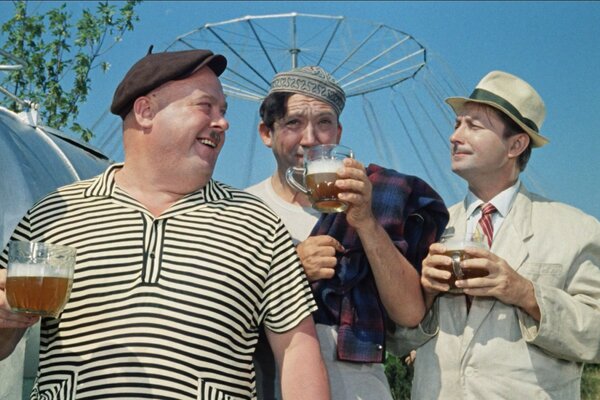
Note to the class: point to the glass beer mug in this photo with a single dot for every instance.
(319, 174)
(39, 277)
(455, 249)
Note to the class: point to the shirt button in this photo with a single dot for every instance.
(152, 255)
(379, 347)
(469, 371)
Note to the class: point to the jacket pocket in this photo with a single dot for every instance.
(544, 273)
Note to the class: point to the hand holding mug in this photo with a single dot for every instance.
(443, 265)
(455, 249)
(319, 174)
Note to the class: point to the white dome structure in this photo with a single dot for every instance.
(34, 161)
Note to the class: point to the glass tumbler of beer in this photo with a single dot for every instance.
(39, 277)
(455, 249)
(319, 174)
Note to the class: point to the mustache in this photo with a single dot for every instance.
(215, 136)
(455, 148)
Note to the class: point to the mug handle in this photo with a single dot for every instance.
(456, 266)
(289, 177)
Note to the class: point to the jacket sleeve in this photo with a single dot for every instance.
(570, 315)
(401, 340)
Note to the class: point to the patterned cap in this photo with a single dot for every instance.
(311, 81)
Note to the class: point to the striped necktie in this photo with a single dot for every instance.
(485, 222)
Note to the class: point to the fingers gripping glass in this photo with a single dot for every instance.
(455, 249)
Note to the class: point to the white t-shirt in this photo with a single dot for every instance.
(297, 219)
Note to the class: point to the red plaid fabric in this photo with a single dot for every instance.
(414, 216)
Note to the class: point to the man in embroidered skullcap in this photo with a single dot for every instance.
(364, 262)
(175, 271)
(524, 327)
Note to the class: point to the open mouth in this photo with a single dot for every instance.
(208, 142)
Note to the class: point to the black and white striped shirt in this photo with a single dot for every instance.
(167, 307)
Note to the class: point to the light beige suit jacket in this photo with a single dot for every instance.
(499, 352)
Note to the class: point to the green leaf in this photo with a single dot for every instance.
(61, 53)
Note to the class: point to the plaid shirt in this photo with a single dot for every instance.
(414, 216)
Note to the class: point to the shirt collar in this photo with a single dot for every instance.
(104, 186)
(502, 201)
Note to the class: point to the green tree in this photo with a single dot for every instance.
(59, 53)
(399, 376)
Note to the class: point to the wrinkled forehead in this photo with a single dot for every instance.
(301, 104)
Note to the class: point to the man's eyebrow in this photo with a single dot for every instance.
(206, 96)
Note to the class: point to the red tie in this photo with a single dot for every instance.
(485, 222)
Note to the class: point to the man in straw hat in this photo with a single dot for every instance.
(363, 263)
(175, 271)
(525, 328)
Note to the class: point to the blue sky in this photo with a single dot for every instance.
(552, 45)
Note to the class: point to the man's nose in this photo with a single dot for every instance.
(309, 137)
(457, 135)
(219, 121)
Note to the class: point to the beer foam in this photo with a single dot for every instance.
(458, 245)
(17, 269)
(323, 166)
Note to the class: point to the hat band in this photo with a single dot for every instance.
(485, 95)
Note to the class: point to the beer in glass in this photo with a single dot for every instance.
(319, 174)
(455, 249)
(39, 277)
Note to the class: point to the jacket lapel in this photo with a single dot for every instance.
(510, 244)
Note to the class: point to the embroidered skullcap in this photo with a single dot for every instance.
(311, 81)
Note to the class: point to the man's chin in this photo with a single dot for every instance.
(460, 171)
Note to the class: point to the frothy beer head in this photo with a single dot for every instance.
(323, 166)
(38, 269)
(453, 245)
(320, 181)
(319, 174)
(39, 277)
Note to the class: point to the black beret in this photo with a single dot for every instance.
(155, 69)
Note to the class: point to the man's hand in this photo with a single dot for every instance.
(317, 255)
(356, 192)
(502, 281)
(435, 272)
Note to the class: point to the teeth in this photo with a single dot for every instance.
(208, 142)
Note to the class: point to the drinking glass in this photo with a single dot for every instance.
(319, 175)
(39, 277)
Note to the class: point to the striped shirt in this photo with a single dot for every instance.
(163, 307)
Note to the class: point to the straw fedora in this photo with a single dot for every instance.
(514, 97)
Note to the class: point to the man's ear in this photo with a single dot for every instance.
(144, 111)
(339, 134)
(518, 144)
(265, 134)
